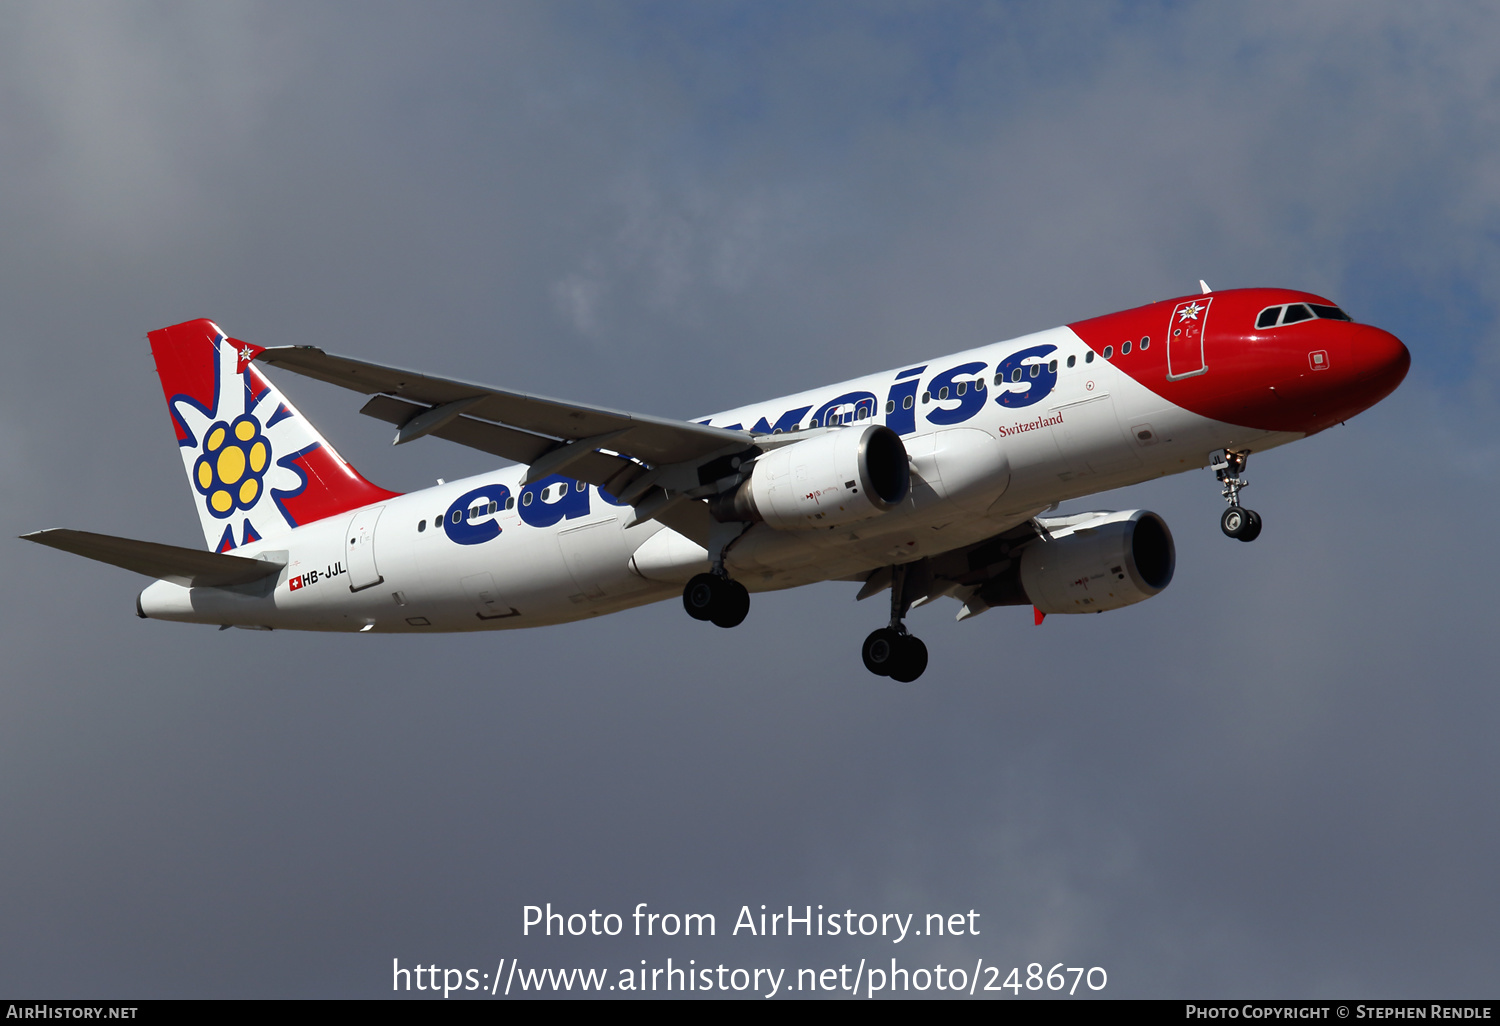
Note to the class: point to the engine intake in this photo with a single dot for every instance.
(1106, 561)
(823, 481)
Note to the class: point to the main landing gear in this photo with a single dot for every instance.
(890, 651)
(716, 598)
(1236, 522)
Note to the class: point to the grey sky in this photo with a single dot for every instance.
(1278, 778)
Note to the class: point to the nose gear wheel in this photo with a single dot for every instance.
(1242, 524)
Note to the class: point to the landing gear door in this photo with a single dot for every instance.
(1185, 338)
(359, 549)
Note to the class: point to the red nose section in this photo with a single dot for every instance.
(1325, 378)
(1272, 359)
(1378, 363)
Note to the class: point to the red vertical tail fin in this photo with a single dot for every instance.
(257, 467)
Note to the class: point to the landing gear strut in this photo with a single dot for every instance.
(1236, 522)
(890, 651)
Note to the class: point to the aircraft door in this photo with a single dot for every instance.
(359, 550)
(1185, 339)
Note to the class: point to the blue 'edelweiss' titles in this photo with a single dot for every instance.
(954, 396)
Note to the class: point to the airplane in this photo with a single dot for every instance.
(932, 479)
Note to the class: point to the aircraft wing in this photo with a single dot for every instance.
(191, 568)
(550, 435)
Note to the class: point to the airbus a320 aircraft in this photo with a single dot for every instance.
(929, 480)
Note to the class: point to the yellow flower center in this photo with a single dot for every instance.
(231, 465)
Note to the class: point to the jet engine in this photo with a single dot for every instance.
(828, 479)
(1088, 563)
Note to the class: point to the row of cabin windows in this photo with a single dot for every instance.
(1291, 313)
(1109, 351)
(459, 515)
(959, 388)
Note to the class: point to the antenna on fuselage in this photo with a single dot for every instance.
(1204, 286)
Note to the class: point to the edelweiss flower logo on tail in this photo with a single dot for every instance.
(235, 442)
(257, 467)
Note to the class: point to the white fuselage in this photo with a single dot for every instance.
(563, 552)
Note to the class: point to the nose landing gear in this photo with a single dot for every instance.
(1237, 522)
(890, 651)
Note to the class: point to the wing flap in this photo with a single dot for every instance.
(596, 468)
(191, 568)
(507, 443)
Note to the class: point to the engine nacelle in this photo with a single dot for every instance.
(1089, 564)
(829, 479)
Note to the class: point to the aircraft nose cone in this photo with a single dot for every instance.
(1378, 363)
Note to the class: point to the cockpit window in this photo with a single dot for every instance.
(1294, 312)
(1331, 313)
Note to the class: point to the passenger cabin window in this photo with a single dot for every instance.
(1072, 360)
(1124, 348)
(1109, 351)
